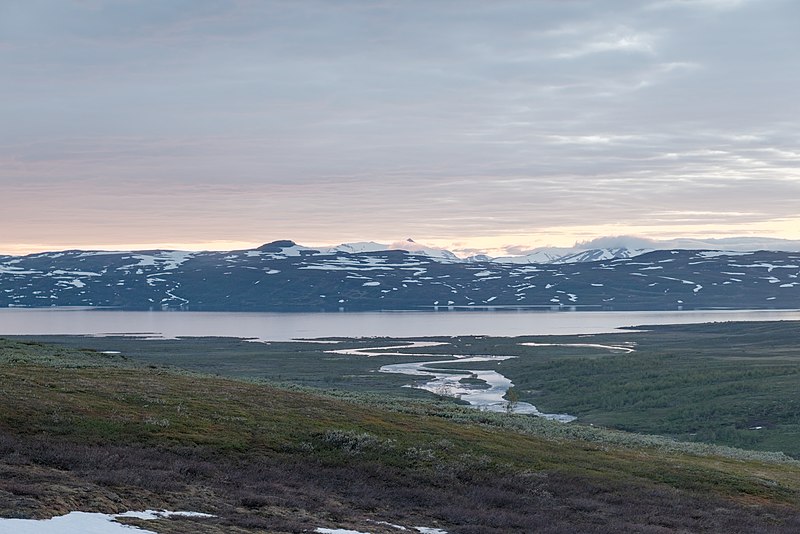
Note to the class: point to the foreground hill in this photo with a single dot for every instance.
(283, 276)
(726, 383)
(81, 430)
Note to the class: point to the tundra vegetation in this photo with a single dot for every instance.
(286, 437)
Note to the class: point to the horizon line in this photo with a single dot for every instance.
(25, 249)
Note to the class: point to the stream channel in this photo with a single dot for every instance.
(447, 382)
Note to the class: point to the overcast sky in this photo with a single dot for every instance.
(469, 124)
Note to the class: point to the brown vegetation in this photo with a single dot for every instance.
(82, 432)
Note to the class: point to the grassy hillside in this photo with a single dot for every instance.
(81, 430)
(730, 384)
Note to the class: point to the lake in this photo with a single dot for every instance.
(288, 326)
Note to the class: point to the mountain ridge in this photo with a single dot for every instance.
(285, 276)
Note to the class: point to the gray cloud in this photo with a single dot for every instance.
(740, 244)
(444, 120)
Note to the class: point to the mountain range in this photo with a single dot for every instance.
(285, 276)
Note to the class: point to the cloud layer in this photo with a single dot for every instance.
(463, 123)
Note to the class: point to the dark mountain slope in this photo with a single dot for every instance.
(282, 276)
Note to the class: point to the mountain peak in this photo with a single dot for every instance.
(277, 246)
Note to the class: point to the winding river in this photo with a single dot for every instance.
(448, 382)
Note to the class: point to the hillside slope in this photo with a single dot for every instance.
(86, 431)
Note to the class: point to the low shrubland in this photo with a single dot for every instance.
(726, 384)
(80, 430)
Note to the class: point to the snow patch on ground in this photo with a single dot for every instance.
(88, 523)
(338, 531)
(421, 530)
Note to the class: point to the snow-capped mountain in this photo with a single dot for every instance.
(285, 276)
(409, 245)
(357, 248)
(571, 255)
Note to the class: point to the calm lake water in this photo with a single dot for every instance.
(287, 326)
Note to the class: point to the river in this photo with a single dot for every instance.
(448, 382)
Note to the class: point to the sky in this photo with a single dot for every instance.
(472, 125)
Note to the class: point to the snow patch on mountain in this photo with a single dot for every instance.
(601, 249)
(358, 248)
(4, 269)
(571, 255)
(718, 253)
(163, 259)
